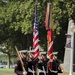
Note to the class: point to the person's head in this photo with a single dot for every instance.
(31, 55)
(43, 56)
(55, 55)
(23, 55)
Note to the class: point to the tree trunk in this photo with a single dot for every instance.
(8, 62)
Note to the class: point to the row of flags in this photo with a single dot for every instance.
(48, 26)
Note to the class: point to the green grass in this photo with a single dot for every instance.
(6, 71)
(11, 72)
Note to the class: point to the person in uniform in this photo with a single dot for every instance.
(42, 64)
(18, 67)
(55, 64)
(32, 64)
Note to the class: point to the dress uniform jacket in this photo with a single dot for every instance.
(55, 66)
(42, 67)
(18, 69)
(32, 66)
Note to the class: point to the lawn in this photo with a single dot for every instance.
(11, 72)
(6, 71)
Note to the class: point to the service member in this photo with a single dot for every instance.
(18, 67)
(42, 64)
(32, 62)
(55, 65)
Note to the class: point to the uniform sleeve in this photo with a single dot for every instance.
(58, 62)
(35, 61)
(15, 66)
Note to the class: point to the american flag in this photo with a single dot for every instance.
(35, 34)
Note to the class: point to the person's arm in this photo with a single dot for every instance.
(60, 68)
(16, 69)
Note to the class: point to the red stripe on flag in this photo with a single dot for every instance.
(50, 41)
(50, 45)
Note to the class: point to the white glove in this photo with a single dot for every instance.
(62, 70)
(24, 73)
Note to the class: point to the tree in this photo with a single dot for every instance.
(17, 19)
(63, 11)
(9, 36)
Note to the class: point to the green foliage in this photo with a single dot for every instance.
(17, 19)
(63, 11)
(3, 58)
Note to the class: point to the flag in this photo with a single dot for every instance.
(48, 19)
(68, 43)
(50, 46)
(49, 28)
(35, 34)
(50, 42)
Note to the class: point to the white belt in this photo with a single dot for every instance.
(54, 71)
(32, 71)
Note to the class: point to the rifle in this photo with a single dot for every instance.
(23, 68)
